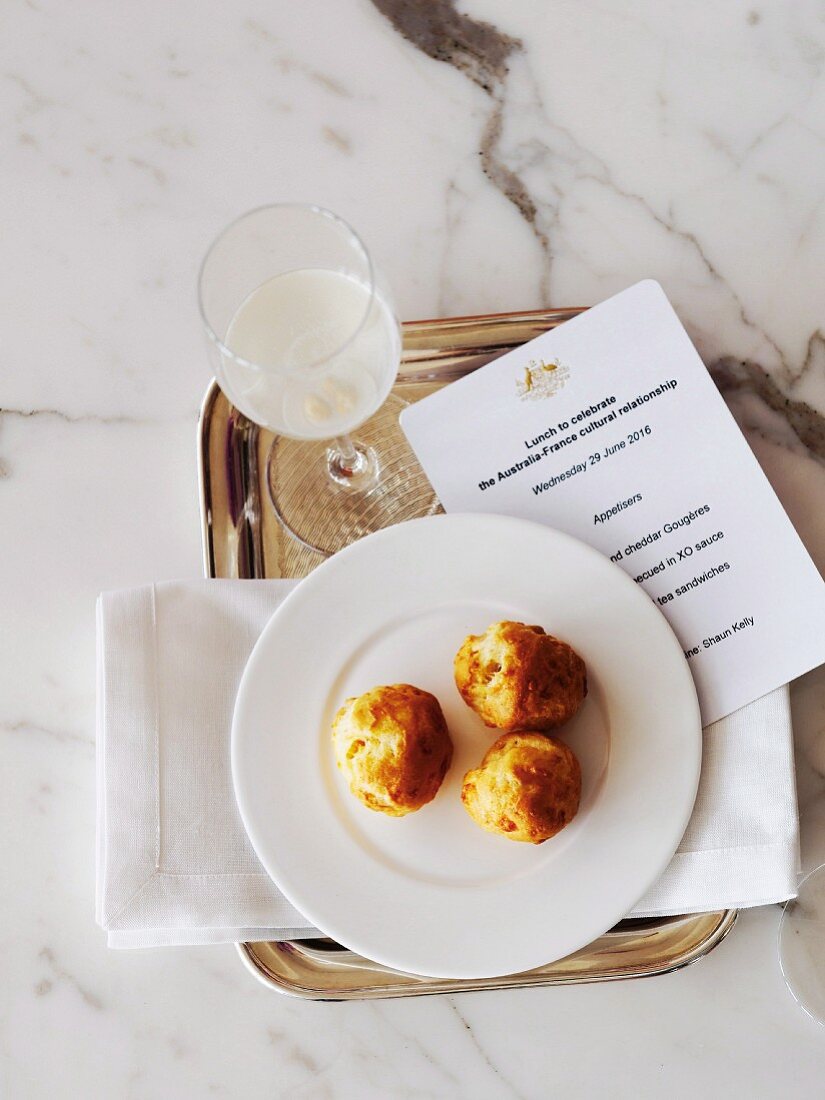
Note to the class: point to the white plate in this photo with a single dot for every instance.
(432, 893)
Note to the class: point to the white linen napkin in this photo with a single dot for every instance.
(174, 864)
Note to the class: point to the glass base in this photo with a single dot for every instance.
(357, 468)
(802, 944)
(326, 512)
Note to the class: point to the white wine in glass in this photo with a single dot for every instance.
(305, 343)
(329, 349)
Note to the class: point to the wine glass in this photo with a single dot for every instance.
(801, 936)
(305, 343)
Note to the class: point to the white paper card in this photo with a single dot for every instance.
(610, 428)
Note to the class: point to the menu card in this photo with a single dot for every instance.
(610, 428)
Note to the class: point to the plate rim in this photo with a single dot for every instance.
(304, 590)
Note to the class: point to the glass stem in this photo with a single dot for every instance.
(352, 465)
(345, 455)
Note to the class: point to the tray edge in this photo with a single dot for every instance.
(726, 917)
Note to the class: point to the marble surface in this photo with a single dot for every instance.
(496, 156)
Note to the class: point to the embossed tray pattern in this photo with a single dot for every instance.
(242, 538)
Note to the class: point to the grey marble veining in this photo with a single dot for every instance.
(485, 55)
(494, 156)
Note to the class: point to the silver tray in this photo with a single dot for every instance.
(242, 538)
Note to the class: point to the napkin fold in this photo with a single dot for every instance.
(174, 864)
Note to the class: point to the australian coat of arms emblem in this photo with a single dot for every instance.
(539, 379)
